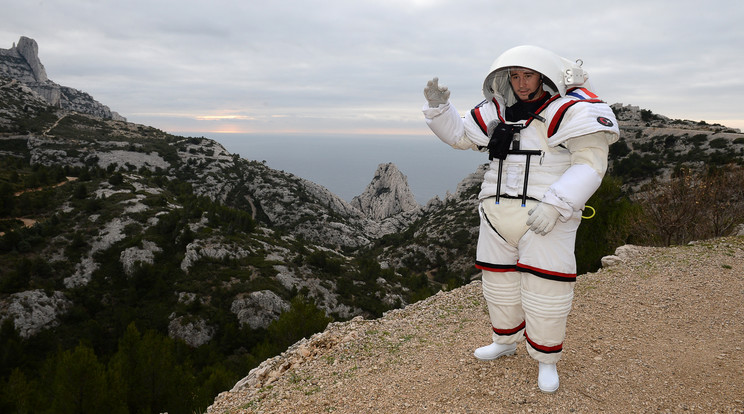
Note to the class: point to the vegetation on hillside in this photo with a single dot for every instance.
(119, 320)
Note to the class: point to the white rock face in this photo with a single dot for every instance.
(739, 230)
(111, 233)
(29, 49)
(211, 248)
(83, 273)
(22, 62)
(622, 254)
(33, 310)
(133, 255)
(387, 195)
(138, 159)
(194, 332)
(611, 260)
(325, 298)
(258, 309)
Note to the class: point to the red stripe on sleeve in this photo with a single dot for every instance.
(558, 117)
(553, 127)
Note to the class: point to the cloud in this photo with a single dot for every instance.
(340, 65)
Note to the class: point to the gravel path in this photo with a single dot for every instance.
(660, 331)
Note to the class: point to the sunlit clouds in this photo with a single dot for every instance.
(360, 67)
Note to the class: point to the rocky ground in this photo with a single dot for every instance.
(661, 330)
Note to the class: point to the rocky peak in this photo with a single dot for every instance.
(21, 63)
(387, 195)
(30, 51)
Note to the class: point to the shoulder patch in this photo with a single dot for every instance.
(604, 121)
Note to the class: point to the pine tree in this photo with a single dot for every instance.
(80, 384)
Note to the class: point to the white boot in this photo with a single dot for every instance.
(493, 351)
(547, 378)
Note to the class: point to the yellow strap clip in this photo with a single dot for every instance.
(594, 212)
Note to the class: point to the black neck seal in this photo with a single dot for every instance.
(522, 110)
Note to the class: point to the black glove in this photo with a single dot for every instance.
(501, 138)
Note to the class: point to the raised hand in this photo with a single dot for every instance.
(436, 95)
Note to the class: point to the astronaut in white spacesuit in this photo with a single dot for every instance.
(548, 136)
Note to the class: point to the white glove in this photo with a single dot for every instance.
(542, 218)
(435, 94)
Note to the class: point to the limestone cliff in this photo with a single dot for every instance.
(22, 63)
(387, 195)
(25, 57)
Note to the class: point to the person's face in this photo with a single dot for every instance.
(524, 82)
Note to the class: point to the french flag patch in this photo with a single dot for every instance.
(581, 93)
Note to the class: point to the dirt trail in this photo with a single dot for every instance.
(31, 190)
(29, 222)
(663, 331)
(64, 115)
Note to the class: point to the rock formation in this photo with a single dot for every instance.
(387, 195)
(22, 63)
(194, 331)
(258, 309)
(29, 50)
(34, 310)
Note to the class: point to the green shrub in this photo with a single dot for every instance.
(619, 149)
(720, 143)
(609, 228)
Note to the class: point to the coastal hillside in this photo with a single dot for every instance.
(655, 330)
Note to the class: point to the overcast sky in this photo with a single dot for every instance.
(359, 66)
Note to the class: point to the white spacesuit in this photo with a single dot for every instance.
(532, 195)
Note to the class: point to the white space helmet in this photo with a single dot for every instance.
(558, 73)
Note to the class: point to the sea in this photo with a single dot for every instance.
(346, 164)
